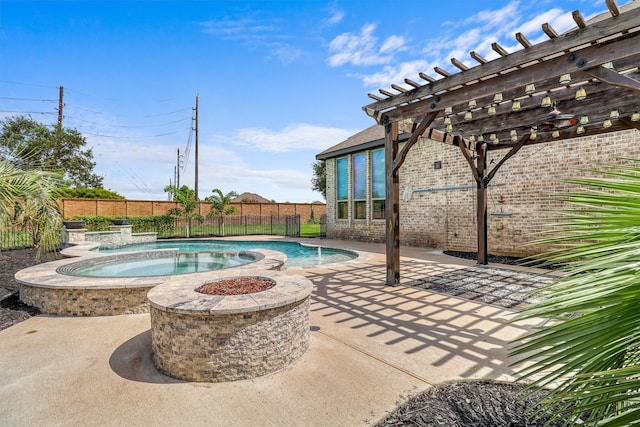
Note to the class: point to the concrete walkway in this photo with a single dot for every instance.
(371, 347)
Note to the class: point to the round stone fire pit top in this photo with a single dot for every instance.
(184, 297)
(237, 286)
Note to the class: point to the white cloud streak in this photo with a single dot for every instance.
(456, 40)
(362, 48)
(291, 138)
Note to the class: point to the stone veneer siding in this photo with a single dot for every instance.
(86, 302)
(228, 347)
(518, 196)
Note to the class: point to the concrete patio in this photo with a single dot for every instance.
(371, 347)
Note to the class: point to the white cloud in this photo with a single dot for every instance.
(242, 28)
(358, 49)
(336, 16)
(393, 44)
(291, 138)
(458, 38)
(397, 74)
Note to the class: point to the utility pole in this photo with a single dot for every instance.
(196, 129)
(60, 105)
(178, 171)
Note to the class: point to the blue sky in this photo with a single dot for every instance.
(278, 81)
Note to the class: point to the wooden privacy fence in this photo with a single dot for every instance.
(132, 208)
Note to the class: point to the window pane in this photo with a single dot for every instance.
(378, 209)
(360, 176)
(360, 210)
(343, 179)
(343, 212)
(378, 185)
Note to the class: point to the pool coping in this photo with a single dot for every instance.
(46, 275)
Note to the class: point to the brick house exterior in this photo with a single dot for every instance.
(437, 206)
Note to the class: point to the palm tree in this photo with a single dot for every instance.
(590, 350)
(220, 205)
(186, 197)
(26, 201)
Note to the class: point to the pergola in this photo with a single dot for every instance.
(583, 82)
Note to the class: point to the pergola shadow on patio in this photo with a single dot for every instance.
(581, 83)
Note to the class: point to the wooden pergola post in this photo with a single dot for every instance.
(481, 203)
(392, 204)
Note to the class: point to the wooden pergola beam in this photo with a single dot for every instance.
(516, 113)
(593, 32)
(588, 59)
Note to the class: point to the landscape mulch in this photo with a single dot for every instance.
(12, 311)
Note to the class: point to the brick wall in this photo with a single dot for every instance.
(133, 208)
(442, 209)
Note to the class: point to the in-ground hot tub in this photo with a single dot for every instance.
(55, 288)
(216, 338)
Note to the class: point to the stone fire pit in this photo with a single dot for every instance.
(216, 331)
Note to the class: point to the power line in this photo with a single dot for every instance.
(83, 108)
(129, 127)
(28, 84)
(187, 151)
(28, 112)
(29, 99)
(166, 114)
(135, 137)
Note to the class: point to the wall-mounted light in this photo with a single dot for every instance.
(607, 124)
(515, 106)
(546, 101)
(472, 103)
(514, 135)
(530, 89)
(448, 111)
(447, 120)
(635, 117)
(534, 133)
(584, 120)
(468, 115)
(497, 97)
(449, 128)
(614, 114)
(493, 137)
(565, 79)
(555, 133)
(581, 94)
(472, 138)
(491, 110)
(608, 65)
(580, 129)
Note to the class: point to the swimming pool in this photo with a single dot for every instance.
(298, 255)
(167, 264)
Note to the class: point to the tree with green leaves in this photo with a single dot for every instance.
(32, 145)
(26, 201)
(589, 351)
(87, 193)
(186, 198)
(220, 206)
(319, 180)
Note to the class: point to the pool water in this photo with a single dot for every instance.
(180, 263)
(297, 255)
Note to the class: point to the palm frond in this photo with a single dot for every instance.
(589, 350)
